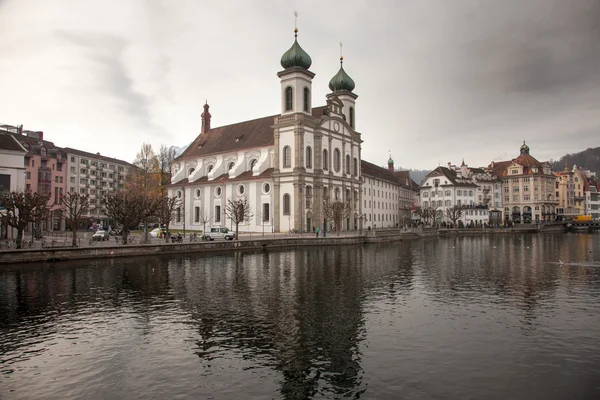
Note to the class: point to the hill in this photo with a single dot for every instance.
(587, 159)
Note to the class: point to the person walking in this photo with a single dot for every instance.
(317, 232)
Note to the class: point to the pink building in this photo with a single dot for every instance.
(45, 171)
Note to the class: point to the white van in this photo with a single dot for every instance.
(217, 233)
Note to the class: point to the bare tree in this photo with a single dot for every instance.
(76, 207)
(337, 211)
(23, 208)
(147, 177)
(205, 219)
(238, 211)
(128, 209)
(165, 208)
(455, 213)
(165, 156)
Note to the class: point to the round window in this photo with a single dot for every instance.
(266, 188)
(198, 193)
(218, 191)
(179, 194)
(241, 189)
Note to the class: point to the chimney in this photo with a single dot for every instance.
(205, 119)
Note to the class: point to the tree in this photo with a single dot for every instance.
(336, 211)
(76, 206)
(165, 208)
(23, 208)
(205, 219)
(455, 213)
(165, 156)
(238, 211)
(128, 209)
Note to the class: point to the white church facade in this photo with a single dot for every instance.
(286, 166)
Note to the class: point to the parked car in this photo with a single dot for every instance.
(158, 232)
(101, 235)
(217, 233)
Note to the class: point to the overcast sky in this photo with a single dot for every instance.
(437, 81)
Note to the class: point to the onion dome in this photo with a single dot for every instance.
(296, 56)
(524, 149)
(341, 80)
(390, 161)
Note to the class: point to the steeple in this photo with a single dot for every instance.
(391, 164)
(524, 149)
(296, 56)
(341, 80)
(206, 118)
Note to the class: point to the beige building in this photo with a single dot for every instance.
(95, 175)
(528, 187)
(570, 192)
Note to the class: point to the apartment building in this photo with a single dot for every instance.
(95, 175)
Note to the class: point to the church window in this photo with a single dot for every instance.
(306, 99)
(288, 98)
(218, 214)
(286, 204)
(252, 164)
(191, 171)
(336, 160)
(287, 157)
(266, 188)
(348, 163)
(218, 191)
(265, 213)
(355, 166)
(230, 166)
(352, 117)
(241, 189)
(196, 214)
(325, 160)
(178, 216)
(179, 194)
(308, 191)
(210, 168)
(308, 157)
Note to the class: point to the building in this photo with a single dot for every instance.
(528, 188)
(288, 165)
(444, 188)
(592, 197)
(95, 175)
(45, 171)
(12, 173)
(408, 194)
(381, 196)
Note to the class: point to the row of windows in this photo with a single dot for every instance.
(287, 160)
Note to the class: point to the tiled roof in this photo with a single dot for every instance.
(96, 156)
(372, 170)
(8, 142)
(243, 135)
(451, 176)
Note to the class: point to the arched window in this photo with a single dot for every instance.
(325, 160)
(352, 117)
(191, 171)
(355, 166)
(306, 101)
(287, 157)
(252, 164)
(347, 163)
(308, 157)
(230, 166)
(210, 168)
(289, 92)
(286, 204)
(336, 160)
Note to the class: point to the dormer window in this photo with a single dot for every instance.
(252, 164)
(289, 93)
(210, 168)
(230, 166)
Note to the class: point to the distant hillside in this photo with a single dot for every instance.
(416, 175)
(587, 159)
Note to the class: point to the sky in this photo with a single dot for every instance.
(438, 81)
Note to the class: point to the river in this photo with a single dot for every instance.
(489, 317)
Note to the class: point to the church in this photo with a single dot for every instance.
(286, 165)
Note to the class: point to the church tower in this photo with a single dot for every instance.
(341, 85)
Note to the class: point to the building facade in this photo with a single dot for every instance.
(528, 186)
(95, 175)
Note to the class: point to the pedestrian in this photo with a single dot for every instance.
(317, 232)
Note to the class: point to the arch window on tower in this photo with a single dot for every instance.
(308, 157)
(348, 163)
(286, 204)
(352, 117)
(306, 99)
(337, 160)
(289, 103)
(355, 166)
(325, 160)
(287, 157)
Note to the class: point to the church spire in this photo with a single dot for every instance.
(206, 118)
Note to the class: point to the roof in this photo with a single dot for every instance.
(377, 172)
(8, 142)
(242, 135)
(525, 160)
(450, 175)
(96, 156)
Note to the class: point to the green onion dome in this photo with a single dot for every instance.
(524, 149)
(341, 80)
(296, 56)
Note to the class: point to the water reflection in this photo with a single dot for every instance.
(305, 323)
